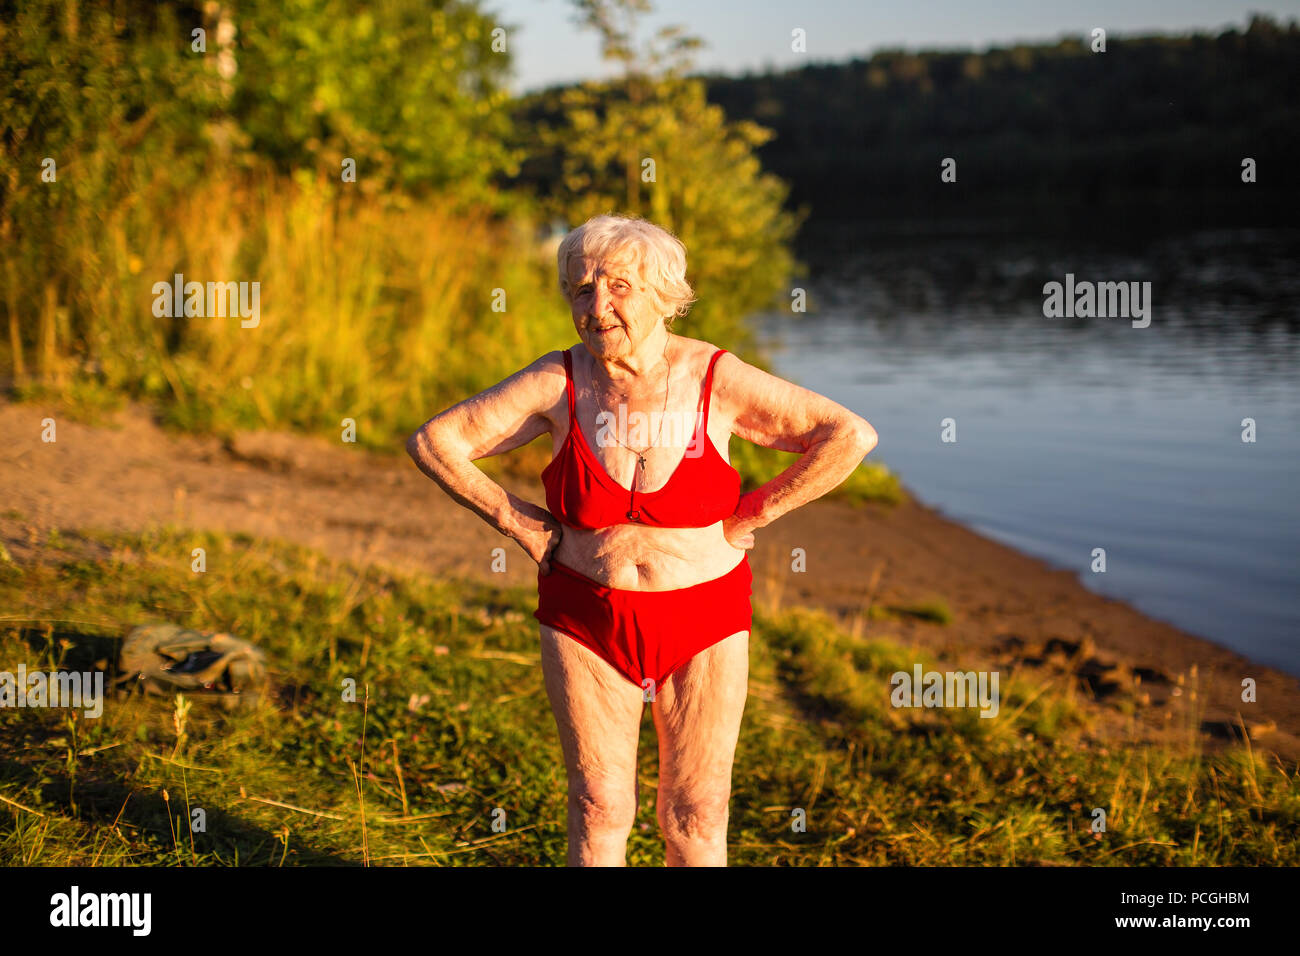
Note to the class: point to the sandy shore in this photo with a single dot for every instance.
(1147, 680)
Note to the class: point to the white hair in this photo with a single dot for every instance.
(660, 256)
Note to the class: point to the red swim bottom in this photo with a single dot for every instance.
(645, 634)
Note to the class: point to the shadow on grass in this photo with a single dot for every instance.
(83, 652)
(100, 796)
(95, 795)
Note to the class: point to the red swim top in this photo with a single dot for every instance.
(702, 491)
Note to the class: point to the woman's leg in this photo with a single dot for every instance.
(598, 714)
(697, 714)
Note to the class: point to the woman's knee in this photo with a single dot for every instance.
(691, 817)
(603, 807)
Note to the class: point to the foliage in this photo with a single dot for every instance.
(651, 145)
(413, 91)
(105, 93)
(225, 165)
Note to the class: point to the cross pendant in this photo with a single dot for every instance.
(641, 461)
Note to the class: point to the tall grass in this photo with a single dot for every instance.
(378, 311)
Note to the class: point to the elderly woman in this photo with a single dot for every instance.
(643, 576)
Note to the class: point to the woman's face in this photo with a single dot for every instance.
(613, 311)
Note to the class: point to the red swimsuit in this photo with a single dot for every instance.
(644, 635)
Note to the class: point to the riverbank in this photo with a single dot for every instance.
(895, 572)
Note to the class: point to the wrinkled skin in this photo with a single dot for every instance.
(628, 359)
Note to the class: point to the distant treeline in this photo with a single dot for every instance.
(1162, 122)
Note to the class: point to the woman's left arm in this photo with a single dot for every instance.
(774, 413)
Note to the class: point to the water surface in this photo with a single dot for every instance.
(1075, 434)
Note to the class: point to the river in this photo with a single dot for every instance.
(1073, 434)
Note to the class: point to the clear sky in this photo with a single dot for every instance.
(742, 35)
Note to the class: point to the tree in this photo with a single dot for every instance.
(94, 99)
(650, 144)
(412, 90)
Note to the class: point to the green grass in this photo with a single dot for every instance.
(378, 310)
(81, 399)
(935, 609)
(457, 725)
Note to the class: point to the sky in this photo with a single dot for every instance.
(739, 35)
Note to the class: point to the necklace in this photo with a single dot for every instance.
(633, 513)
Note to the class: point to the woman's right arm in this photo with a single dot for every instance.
(501, 418)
